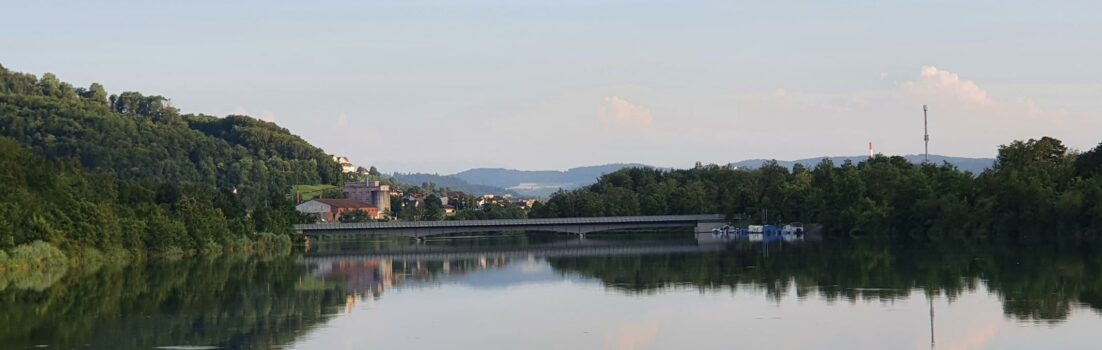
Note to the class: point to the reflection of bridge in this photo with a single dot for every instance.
(581, 226)
(576, 248)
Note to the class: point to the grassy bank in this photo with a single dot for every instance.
(38, 255)
(42, 258)
(308, 192)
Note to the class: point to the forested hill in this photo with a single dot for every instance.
(450, 182)
(973, 165)
(144, 138)
(89, 172)
(1037, 189)
(540, 182)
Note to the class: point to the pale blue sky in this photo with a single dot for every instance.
(442, 86)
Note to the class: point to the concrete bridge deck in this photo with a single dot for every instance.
(581, 226)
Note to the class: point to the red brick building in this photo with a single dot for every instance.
(331, 210)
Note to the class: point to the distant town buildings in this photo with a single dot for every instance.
(346, 165)
(525, 203)
(374, 198)
(485, 199)
(331, 210)
(371, 192)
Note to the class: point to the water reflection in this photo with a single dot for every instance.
(225, 302)
(611, 293)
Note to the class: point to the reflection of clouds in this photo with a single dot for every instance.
(531, 265)
(976, 338)
(632, 336)
(966, 323)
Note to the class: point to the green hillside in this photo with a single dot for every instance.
(85, 171)
(308, 192)
(138, 137)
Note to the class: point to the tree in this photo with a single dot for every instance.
(433, 208)
(95, 92)
(1089, 163)
(355, 216)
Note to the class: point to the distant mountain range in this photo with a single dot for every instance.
(542, 183)
(523, 183)
(974, 165)
(452, 182)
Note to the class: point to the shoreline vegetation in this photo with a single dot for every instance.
(1037, 190)
(38, 263)
(88, 178)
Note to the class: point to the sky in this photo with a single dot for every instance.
(442, 86)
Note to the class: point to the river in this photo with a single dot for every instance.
(603, 292)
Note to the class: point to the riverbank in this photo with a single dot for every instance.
(46, 259)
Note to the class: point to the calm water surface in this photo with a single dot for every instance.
(521, 292)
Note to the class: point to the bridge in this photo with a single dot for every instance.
(579, 226)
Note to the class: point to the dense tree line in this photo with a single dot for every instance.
(84, 169)
(139, 137)
(75, 209)
(1037, 189)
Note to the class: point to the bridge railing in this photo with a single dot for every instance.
(513, 222)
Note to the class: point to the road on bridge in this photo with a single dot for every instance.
(581, 226)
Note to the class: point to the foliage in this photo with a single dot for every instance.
(37, 255)
(494, 211)
(58, 202)
(270, 243)
(1036, 190)
(308, 192)
(85, 171)
(355, 216)
(137, 137)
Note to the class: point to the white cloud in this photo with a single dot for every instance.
(938, 83)
(618, 113)
(947, 89)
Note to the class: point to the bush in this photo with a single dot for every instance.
(266, 242)
(171, 253)
(37, 255)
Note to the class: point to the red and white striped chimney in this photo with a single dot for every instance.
(870, 151)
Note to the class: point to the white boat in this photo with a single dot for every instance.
(794, 228)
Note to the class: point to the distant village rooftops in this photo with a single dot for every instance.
(345, 203)
(331, 210)
(346, 165)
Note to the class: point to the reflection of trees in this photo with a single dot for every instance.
(231, 303)
(1041, 283)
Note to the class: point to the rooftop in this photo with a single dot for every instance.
(345, 203)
